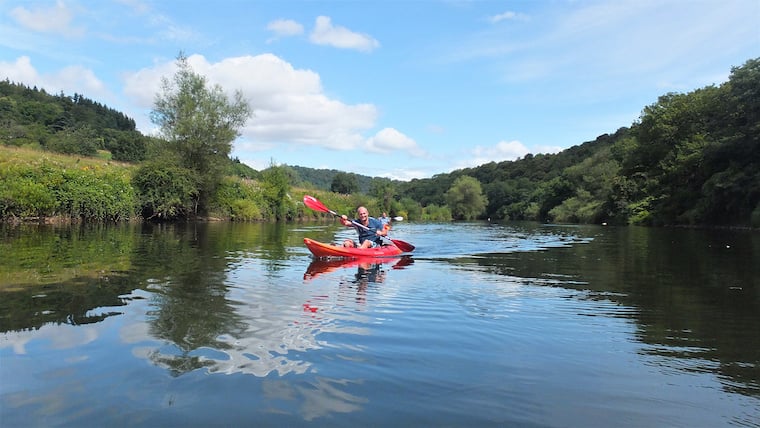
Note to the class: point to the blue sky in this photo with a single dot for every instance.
(399, 89)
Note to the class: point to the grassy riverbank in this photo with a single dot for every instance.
(41, 185)
(47, 187)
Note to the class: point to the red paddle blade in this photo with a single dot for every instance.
(403, 246)
(313, 203)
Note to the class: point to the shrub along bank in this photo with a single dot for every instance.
(36, 185)
(49, 187)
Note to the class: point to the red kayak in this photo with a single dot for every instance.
(320, 249)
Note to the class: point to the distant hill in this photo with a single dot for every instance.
(75, 125)
(322, 178)
(690, 159)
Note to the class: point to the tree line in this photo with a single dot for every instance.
(30, 117)
(690, 159)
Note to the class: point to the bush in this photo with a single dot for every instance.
(45, 189)
(93, 196)
(244, 210)
(83, 141)
(166, 191)
(434, 212)
(239, 199)
(25, 197)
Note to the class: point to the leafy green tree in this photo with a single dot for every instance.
(551, 193)
(240, 199)
(200, 123)
(275, 186)
(82, 141)
(166, 190)
(744, 91)
(345, 183)
(410, 209)
(507, 199)
(239, 169)
(433, 212)
(125, 146)
(384, 190)
(465, 198)
(592, 180)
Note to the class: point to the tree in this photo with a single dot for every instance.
(465, 198)
(125, 146)
(275, 186)
(199, 123)
(166, 191)
(344, 182)
(384, 190)
(80, 141)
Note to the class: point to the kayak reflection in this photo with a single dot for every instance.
(368, 268)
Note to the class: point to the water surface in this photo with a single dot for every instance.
(516, 324)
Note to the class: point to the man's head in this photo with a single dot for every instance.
(362, 213)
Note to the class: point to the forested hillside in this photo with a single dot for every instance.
(690, 159)
(31, 117)
(325, 179)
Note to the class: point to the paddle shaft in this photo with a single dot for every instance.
(356, 223)
(404, 246)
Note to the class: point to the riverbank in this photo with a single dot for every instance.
(49, 188)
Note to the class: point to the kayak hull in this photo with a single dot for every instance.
(322, 250)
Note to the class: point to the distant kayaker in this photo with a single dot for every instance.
(369, 235)
(385, 220)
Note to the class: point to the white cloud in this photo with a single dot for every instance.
(80, 77)
(69, 80)
(166, 28)
(502, 151)
(406, 174)
(508, 16)
(137, 6)
(390, 140)
(600, 44)
(285, 28)
(289, 105)
(20, 71)
(55, 19)
(143, 85)
(340, 37)
(54, 337)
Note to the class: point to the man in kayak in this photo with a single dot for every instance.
(369, 235)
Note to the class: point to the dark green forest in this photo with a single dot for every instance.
(690, 159)
(66, 124)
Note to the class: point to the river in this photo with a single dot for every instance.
(513, 324)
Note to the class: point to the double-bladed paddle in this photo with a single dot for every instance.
(314, 204)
